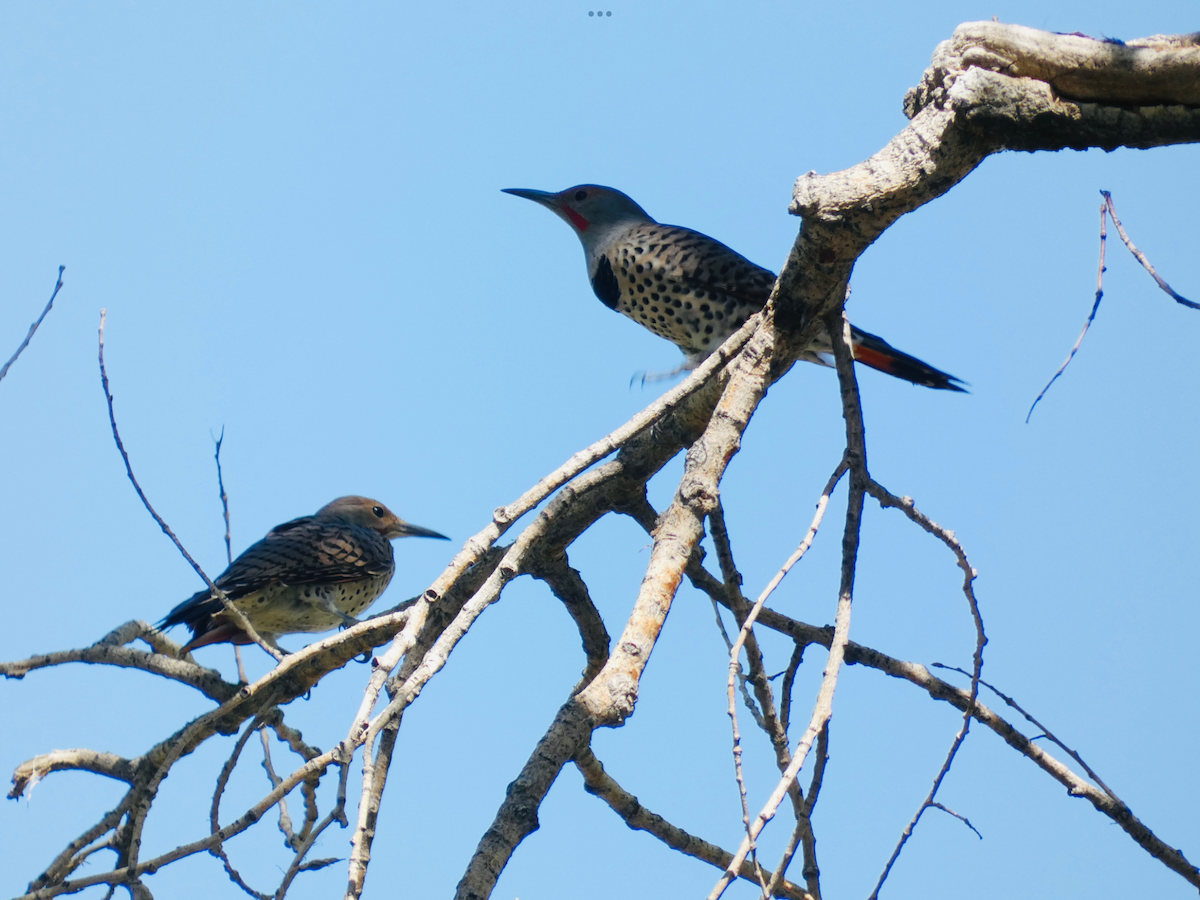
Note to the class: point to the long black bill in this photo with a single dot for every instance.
(408, 530)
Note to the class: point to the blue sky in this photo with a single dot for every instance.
(292, 213)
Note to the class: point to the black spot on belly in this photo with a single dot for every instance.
(604, 283)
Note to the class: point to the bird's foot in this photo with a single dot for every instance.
(640, 378)
(330, 607)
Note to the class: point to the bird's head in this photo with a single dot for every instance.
(372, 514)
(592, 210)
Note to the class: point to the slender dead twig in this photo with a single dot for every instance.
(807, 541)
(928, 802)
(803, 833)
(1141, 257)
(569, 587)
(948, 811)
(789, 680)
(918, 675)
(598, 783)
(856, 458)
(770, 722)
(337, 814)
(234, 613)
(905, 504)
(34, 327)
(739, 775)
(1045, 731)
(69, 860)
(110, 650)
(1092, 315)
(741, 676)
(1107, 209)
(285, 820)
(224, 497)
(745, 633)
(218, 849)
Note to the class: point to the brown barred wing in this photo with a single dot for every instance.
(303, 551)
(308, 551)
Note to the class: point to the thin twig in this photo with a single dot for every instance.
(69, 860)
(741, 676)
(769, 721)
(803, 833)
(789, 680)
(285, 820)
(1045, 731)
(554, 569)
(34, 326)
(110, 650)
(916, 674)
(1092, 315)
(739, 775)
(856, 458)
(239, 619)
(799, 552)
(1141, 257)
(337, 814)
(948, 811)
(224, 497)
(598, 783)
(1107, 208)
(745, 633)
(905, 504)
(218, 849)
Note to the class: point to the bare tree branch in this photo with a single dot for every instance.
(34, 327)
(1046, 732)
(856, 458)
(905, 504)
(224, 497)
(568, 586)
(1141, 257)
(1091, 316)
(599, 783)
(232, 611)
(217, 849)
(29, 773)
(110, 651)
(1107, 209)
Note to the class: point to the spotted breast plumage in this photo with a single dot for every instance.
(311, 574)
(689, 288)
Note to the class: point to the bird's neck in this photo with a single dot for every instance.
(600, 239)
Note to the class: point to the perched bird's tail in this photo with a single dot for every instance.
(193, 612)
(197, 613)
(872, 350)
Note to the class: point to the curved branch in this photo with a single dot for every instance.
(34, 327)
(109, 651)
(30, 772)
(599, 783)
(568, 586)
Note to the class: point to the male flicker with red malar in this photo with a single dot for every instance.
(689, 288)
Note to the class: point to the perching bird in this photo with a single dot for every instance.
(688, 288)
(307, 575)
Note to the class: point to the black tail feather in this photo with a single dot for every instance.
(872, 350)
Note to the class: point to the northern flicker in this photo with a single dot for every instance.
(687, 287)
(307, 575)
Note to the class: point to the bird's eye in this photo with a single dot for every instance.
(378, 510)
(580, 195)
